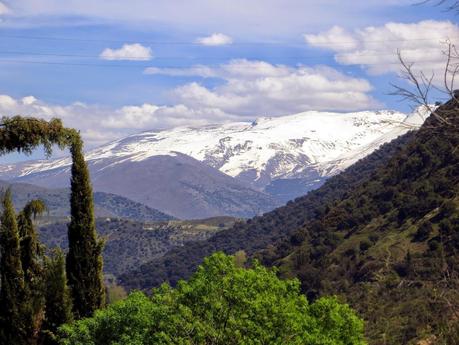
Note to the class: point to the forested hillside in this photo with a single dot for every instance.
(383, 235)
(390, 246)
(260, 232)
(129, 244)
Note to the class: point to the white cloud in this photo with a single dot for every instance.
(376, 48)
(249, 89)
(4, 9)
(216, 39)
(101, 124)
(7, 103)
(134, 52)
(254, 88)
(29, 100)
(337, 38)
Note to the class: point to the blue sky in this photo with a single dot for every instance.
(112, 68)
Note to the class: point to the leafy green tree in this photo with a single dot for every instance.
(222, 303)
(58, 308)
(84, 258)
(13, 329)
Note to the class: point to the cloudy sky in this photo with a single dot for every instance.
(111, 68)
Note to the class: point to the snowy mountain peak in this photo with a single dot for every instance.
(295, 146)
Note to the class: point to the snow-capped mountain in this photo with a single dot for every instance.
(309, 146)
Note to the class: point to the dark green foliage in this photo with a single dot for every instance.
(31, 250)
(222, 304)
(129, 244)
(405, 221)
(57, 296)
(84, 258)
(85, 262)
(364, 245)
(423, 232)
(406, 290)
(32, 265)
(260, 232)
(24, 134)
(13, 325)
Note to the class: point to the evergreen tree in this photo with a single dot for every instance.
(12, 326)
(32, 266)
(58, 308)
(84, 259)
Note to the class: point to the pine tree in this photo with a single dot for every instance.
(84, 259)
(57, 296)
(32, 266)
(12, 326)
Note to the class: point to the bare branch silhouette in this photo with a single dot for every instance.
(421, 89)
(450, 5)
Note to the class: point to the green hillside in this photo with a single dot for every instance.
(383, 235)
(257, 233)
(390, 246)
(129, 244)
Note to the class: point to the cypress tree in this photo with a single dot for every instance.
(32, 266)
(84, 258)
(12, 312)
(58, 308)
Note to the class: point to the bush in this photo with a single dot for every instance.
(365, 245)
(221, 304)
(423, 232)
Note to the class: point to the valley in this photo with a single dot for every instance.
(129, 244)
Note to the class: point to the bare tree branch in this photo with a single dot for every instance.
(420, 87)
(449, 5)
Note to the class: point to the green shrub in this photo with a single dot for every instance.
(222, 303)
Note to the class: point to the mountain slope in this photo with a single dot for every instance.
(258, 233)
(390, 246)
(106, 204)
(175, 184)
(307, 147)
(386, 241)
(128, 244)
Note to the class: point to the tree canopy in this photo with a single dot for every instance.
(222, 303)
(24, 134)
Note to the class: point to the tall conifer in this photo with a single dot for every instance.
(84, 259)
(32, 266)
(57, 295)
(13, 329)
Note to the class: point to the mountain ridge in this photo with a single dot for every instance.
(106, 204)
(310, 146)
(382, 236)
(177, 185)
(259, 232)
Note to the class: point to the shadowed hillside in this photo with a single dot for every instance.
(259, 232)
(383, 235)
